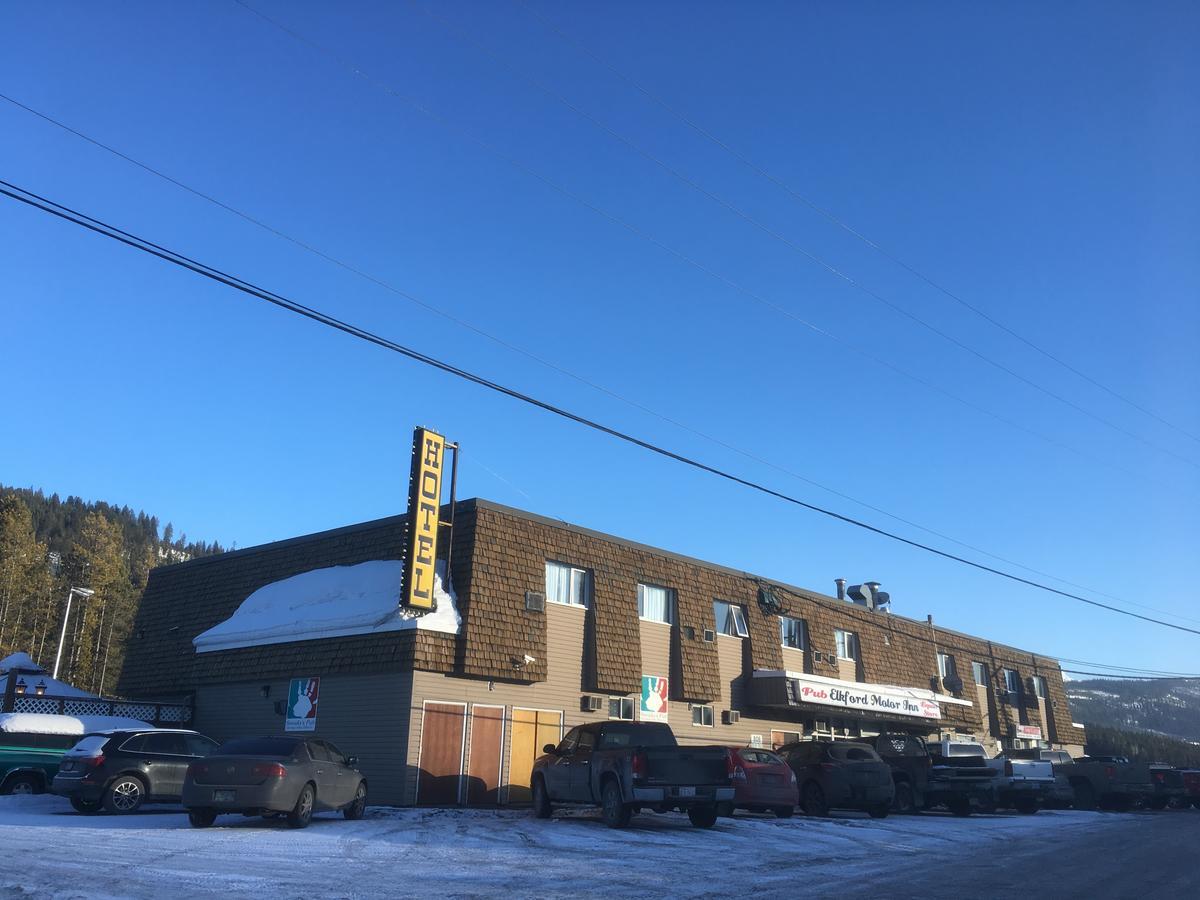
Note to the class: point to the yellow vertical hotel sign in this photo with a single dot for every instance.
(424, 510)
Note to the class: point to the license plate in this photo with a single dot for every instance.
(224, 796)
(687, 792)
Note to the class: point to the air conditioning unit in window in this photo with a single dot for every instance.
(535, 601)
(731, 717)
(709, 635)
(592, 703)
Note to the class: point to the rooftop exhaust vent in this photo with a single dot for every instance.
(868, 595)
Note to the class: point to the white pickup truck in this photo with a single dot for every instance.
(1023, 784)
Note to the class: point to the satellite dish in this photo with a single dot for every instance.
(952, 683)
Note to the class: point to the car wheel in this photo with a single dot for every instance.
(613, 809)
(959, 806)
(784, 812)
(301, 813)
(358, 804)
(85, 806)
(125, 795)
(813, 800)
(880, 811)
(1027, 807)
(703, 816)
(202, 818)
(905, 801)
(25, 783)
(542, 807)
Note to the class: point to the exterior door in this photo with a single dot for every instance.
(443, 727)
(487, 741)
(532, 729)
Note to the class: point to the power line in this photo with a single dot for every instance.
(1131, 677)
(549, 364)
(1080, 662)
(842, 223)
(798, 248)
(97, 226)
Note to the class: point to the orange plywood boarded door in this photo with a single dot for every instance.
(532, 729)
(483, 770)
(443, 728)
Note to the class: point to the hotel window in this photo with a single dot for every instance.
(946, 665)
(979, 673)
(847, 644)
(1039, 686)
(620, 708)
(702, 715)
(567, 585)
(730, 619)
(793, 633)
(1012, 682)
(656, 604)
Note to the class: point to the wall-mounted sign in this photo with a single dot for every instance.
(756, 740)
(424, 509)
(303, 694)
(877, 698)
(654, 699)
(1029, 732)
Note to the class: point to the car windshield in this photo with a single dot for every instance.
(267, 746)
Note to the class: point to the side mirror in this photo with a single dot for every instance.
(352, 761)
(549, 748)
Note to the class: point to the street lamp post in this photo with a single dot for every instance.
(84, 593)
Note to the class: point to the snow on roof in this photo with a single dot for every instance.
(33, 674)
(47, 723)
(332, 602)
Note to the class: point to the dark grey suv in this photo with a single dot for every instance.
(121, 770)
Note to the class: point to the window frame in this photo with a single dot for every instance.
(803, 629)
(702, 709)
(979, 671)
(947, 664)
(850, 644)
(1040, 688)
(620, 701)
(586, 600)
(1011, 678)
(672, 603)
(736, 615)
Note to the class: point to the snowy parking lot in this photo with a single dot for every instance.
(49, 851)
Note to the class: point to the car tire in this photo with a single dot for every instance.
(702, 816)
(613, 809)
(87, 807)
(905, 801)
(880, 811)
(125, 795)
(202, 818)
(542, 807)
(301, 813)
(1027, 807)
(812, 798)
(24, 783)
(784, 812)
(358, 805)
(959, 806)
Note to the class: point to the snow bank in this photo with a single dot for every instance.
(333, 602)
(46, 723)
(25, 663)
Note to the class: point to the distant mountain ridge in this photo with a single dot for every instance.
(1167, 706)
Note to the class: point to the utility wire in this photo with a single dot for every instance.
(97, 226)
(1130, 677)
(1080, 662)
(793, 245)
(842, 223)
(209, 198)
(859, 351)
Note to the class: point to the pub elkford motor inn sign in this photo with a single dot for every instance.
(424, 510)
(876, 698)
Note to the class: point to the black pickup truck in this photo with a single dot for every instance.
(628, 766)
(925, 778)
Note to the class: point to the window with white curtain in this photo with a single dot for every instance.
(657, 604)
(567, 584)
(730, 619)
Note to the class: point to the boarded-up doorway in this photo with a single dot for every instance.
(485, 755)
(443, 728)
(532, 729)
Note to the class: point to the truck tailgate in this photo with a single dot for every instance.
(687, 765)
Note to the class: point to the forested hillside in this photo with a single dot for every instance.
(47, 545)
(1168, 706)
(1141, 746)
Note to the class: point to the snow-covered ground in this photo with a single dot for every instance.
(49, 851)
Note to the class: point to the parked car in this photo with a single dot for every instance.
(958, 783)
(1062, 794)
(840, 775)
(28, 760)
(1023, 784)
(272, 776)
(1168, 785)
(120, 771)
(627, 766)
(1191, 786)
(1110, 782)
(763, 781)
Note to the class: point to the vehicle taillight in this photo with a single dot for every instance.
(92, 764)
(1008, 769)
(637, 765)
(269, 770)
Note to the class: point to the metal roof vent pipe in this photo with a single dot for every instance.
(841, 588)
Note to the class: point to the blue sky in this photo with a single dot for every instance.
(1038, 162)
